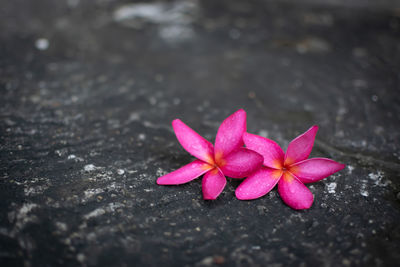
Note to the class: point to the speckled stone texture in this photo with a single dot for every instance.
(88, 93)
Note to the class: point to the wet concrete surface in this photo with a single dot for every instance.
(88, 93)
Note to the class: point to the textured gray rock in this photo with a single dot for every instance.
(89, 89)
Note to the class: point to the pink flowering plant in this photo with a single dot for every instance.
(227, 157)
(290, 170)
(263, 161)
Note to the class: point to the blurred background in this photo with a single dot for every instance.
(88, 92)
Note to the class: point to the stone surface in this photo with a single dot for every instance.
(88, 92)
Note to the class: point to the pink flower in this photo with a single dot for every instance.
(227, 157)
(290, 171)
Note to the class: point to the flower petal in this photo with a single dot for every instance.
(192, 142)
(313, 170)
(258, 184)
(294, 193)
(271, 151)
(240, 163)
(300, 148)
(213, 183)
(185, 174)
(229, 135)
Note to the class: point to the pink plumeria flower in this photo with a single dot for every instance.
(289, 170)
(227, 157)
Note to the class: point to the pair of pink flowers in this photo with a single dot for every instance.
(263, 162)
